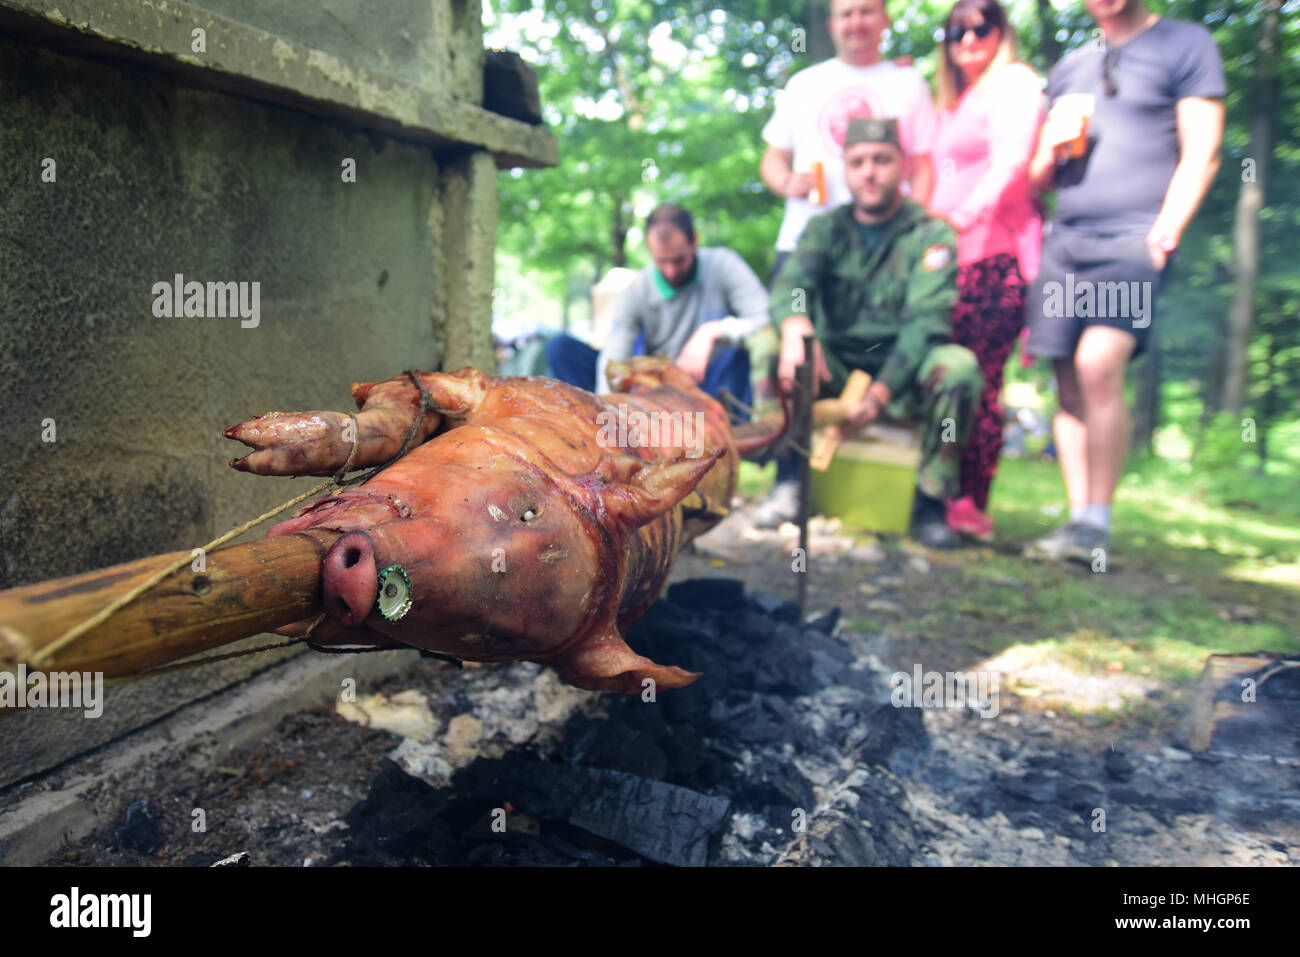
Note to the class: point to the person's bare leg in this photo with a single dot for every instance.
(1100, 362)
(1070, 431)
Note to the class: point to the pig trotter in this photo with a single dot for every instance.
(394, 415)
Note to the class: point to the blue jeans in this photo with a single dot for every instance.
(574, 362)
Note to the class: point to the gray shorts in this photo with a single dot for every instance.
(1090, 279)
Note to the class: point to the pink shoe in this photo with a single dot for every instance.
(965, 518)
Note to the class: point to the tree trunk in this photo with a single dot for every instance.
(618, 234)
(1146, 401)
(1050, 46)
(1249, 203)
(1268, 405)
(820, 46)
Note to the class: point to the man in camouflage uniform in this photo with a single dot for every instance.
(875, 280)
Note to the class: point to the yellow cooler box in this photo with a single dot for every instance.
(871, 481)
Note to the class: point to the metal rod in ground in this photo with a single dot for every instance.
(805, 378)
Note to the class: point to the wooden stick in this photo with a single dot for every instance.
(243, 590)
(834, 411)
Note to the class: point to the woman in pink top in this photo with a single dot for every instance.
(989, 111)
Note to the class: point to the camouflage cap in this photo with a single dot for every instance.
(865, 129)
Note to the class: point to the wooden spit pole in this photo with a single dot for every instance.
(243, 590)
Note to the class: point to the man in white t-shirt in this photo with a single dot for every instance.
(812, 114)
(814, 110)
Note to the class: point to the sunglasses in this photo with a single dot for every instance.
(1107, 68)
(956, 34)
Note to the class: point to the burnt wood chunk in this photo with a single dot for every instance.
(510, 87)
(1247, 705)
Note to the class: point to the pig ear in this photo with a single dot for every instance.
(606, 663)
(619, 468)
(616, 372)
(643, 491)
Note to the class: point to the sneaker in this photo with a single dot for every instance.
(964, 517)
(1074, 540)
(1052, 547)
(929, 527)
(1085, 541)
(781, 505)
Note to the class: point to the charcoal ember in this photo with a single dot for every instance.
(778, 609)
(851, 845)
(399, 815)
(1133, 797)
(141, 831)
(775, 791)
(707, 594)
(662, 822)
(202, 859)
(213, 859)
(896, 738)
(1082, 797)
(760, 719)
(637, 751)
(1118, 766)
(238, 859)
(1030, 786)
(881, 800)
(691, 761)
(787, 675)
(1167, 809)
(827, 666)
(825, 624)
(837, 837)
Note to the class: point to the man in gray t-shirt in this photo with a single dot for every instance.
(1131, 143)
(697, 306)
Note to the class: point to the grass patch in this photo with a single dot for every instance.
(1201, 564)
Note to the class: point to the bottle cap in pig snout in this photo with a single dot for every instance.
(394, 599)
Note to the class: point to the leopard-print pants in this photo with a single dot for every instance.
(989, 314)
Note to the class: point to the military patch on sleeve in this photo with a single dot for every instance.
(936, 257)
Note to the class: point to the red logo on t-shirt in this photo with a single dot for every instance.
(833, 121)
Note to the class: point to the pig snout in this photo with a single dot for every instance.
(350, 579)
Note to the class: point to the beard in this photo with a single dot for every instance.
(880, 206)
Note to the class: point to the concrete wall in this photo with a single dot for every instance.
(156, 173)
(426, 43)
(154, 179)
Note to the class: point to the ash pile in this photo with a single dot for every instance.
(786, 751)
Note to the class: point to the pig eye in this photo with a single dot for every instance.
(530, 514)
